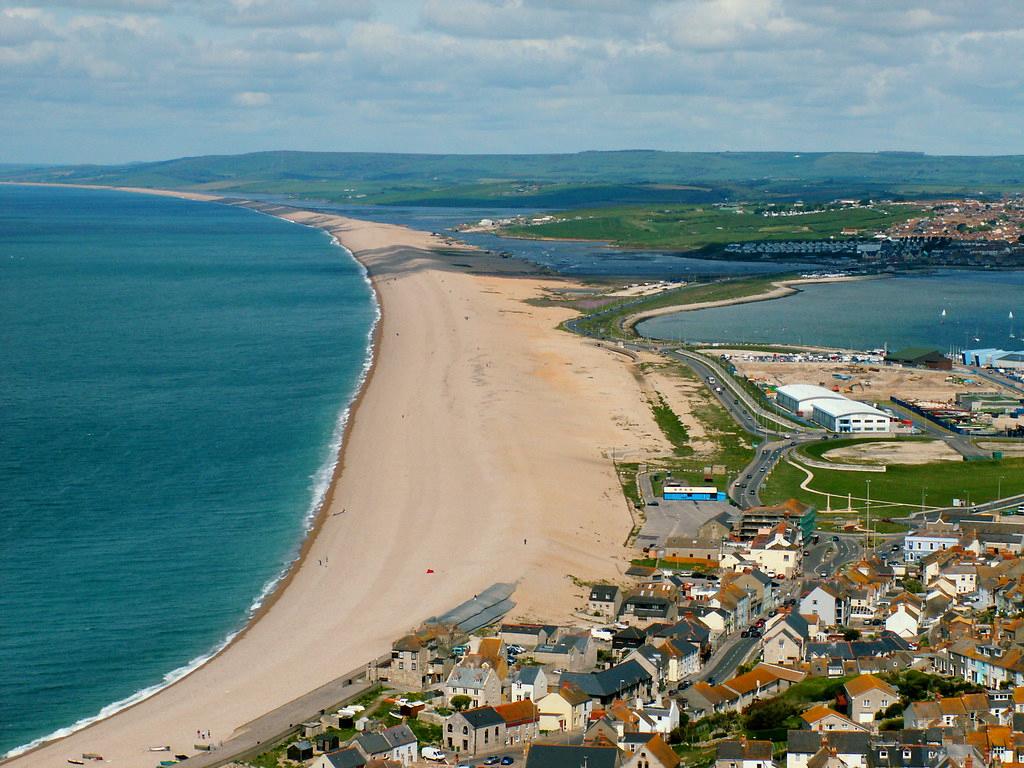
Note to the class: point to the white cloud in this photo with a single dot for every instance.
(251, 99)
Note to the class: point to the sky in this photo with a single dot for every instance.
(111, 81)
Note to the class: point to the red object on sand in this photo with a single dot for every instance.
(430, 570)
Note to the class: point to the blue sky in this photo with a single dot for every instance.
(119, 80)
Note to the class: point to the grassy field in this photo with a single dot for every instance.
(692, 227)
(608, 320)
(941, 482)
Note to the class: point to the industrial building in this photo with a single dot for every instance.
(800, 398)
(921, 357)
(993, 358)
(850, 416)
(692, 493)
(832, 410)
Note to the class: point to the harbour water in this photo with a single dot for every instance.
(895, 312)
(174, 377)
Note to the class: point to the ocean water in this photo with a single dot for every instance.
(174, 378)
(899, 311)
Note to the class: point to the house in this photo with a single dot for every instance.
(930, 537)
(419, 661)
(867, 696)
(735, 602)
(479, 729)
(852, 747)
(626, 680)
(522, 720)
(528, 636)
(785, 638)
(566, 709)
(663, 716)
(300, 751)
(682, 659)
(605, 600)
(567, 756)
(654, 753)
(760, 587)
(986, 664)
(969, 710)
(572, 652)
(396, 743)
(327, 742)
(762, 682)
(652, 600)
(775, 553)
(703, 699)
(825, 719)
(652, 660)
(480, 683)
(744, 753)
(351, 757)
(757, 520)
(628, 639)
(827, 603)
(904, 618)
(529, 683)
(716, 528)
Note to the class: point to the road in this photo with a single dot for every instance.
(730, 655)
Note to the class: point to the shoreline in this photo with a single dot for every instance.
(274, 588)
(401, 265)
(780, 290)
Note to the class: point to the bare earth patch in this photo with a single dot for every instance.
(893, 452)
(1008, 449)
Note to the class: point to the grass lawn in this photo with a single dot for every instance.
(902, 484)
(691, 227)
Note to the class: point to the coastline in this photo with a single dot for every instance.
(781, 289)
(390, 255)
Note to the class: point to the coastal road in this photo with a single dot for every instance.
(727, 658)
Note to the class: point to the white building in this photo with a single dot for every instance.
(801, 398)
(850, 416)
(929, 538)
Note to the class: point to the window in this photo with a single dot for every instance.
(465, 729)
(401, 665)
(450, 728)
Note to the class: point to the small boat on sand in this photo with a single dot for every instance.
(160, 749)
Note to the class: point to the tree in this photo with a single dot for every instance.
(460, 703)
(769, 713)
(851, 634)
(913, 586)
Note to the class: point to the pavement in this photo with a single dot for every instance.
(666, 519)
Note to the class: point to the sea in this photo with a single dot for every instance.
(174, 382)
(948, 309)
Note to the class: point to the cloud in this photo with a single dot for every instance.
(251, 99)
(188, 76)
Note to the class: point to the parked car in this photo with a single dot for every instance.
(745, 633)
(433, 754)
(507, 760)
(492, 760)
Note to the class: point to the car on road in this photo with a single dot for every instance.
(492, 760)
(507, 760)
(895, 548)
(752, 492)
(749, 476)
(653, 503)
(756, 633)
(684, 685)
(835, 538)
(745, 633)
(764, 469)
(807, 552)
(823, 574)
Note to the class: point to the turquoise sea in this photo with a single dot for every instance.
(174, 378)
(898, 311)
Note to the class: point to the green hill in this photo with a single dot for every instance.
(559, 180)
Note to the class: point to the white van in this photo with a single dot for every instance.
(433, 754)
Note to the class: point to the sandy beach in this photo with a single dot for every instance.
(479, 450)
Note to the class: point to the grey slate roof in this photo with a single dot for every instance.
(483, 717)
(604, 592)
(607, 682)
(564, 756)
(527, 675)
(346, 758)
(845, 742)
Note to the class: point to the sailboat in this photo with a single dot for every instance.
(1012, 334)
(942, 317)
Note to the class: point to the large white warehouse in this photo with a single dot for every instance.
(801, 398)
(847, 415)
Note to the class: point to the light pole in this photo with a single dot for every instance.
(868, 523)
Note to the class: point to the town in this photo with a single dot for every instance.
(742, 634)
